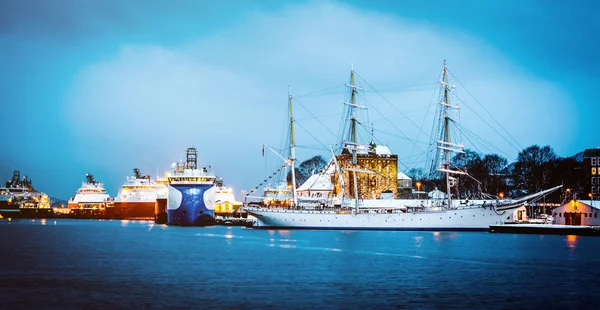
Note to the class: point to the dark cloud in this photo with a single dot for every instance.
(79, 19)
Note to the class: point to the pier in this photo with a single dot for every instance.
(546, 229)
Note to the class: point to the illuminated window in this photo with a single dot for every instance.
(593, 170)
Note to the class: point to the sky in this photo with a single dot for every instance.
(103, 87)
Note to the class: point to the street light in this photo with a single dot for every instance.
(501, 196)
(418, 190)
(590, 195)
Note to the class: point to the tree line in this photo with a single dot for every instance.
(536, 168)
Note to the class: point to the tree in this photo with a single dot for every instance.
(495, 167)
(306, 169)
(416, 174)
(471, 163)
(533, 168)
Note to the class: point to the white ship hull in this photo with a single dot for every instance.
(468, 218)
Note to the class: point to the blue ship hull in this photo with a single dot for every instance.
(191, 210)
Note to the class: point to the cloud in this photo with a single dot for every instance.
(226, 93)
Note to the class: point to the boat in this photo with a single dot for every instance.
(191, 193)
(20, 199)
(360, 165)
(136, 198)
(91, 200)
(225, 202)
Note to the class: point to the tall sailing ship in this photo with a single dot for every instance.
(136, 198)
(360, 165)
(191, 193)
(91, 200)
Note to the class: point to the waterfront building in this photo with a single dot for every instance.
(591, 168)
(577, 213)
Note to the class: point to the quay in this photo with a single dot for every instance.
(546, 229)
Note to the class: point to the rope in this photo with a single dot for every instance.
(498, 123)
(265, 180)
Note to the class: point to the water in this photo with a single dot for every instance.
(123, 264)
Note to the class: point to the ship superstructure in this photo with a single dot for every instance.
(191, 192)
(91, 199)
(20, 199)
(136, 198)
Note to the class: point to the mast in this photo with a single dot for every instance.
(445, 145)
(353, 101)
(353, 133)
(447, 135)
(292, 149)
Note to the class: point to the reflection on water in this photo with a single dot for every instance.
(571, 241)
(145, 266)
(418, 241)
(439, 236)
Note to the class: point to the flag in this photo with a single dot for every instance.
(263, 151)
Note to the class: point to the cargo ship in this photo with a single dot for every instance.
(91, 200)
(19, 199)
(191, 193)
(136, 198)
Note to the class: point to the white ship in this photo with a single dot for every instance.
(136, 198)
(91, 199)
(443, 213)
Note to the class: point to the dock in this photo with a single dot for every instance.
(234, 221)
(546, 229)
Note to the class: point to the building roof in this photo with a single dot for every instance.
(402, 176)
(595, 204)
(437, 194)
(592, 152)
(382, 150)
(317, 182)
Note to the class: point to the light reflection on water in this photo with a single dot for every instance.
(214, 264)
(571, 241)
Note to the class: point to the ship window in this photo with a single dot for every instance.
(595, 215)
(560, 215)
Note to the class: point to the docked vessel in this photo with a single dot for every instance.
(19, 199)
(91, 200)
(191, 193)
(162, 194)
(136, 198)
(360, 165)
(225, 202)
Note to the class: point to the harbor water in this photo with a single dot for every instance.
(65, 263)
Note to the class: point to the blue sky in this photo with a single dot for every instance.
(105, 86)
